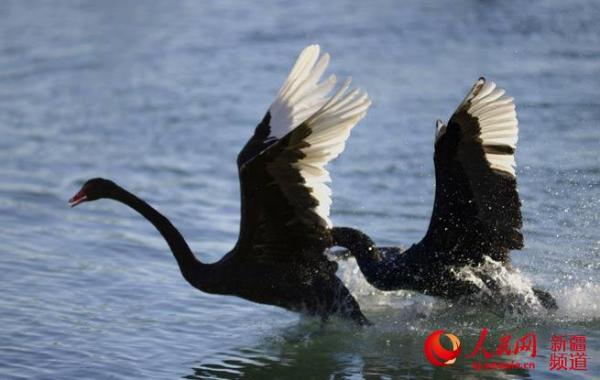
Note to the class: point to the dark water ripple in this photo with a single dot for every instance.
(160, 96)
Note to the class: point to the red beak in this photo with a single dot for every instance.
(78, 198)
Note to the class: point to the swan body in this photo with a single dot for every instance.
(285, 201)
(476, 212)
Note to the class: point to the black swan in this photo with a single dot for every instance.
(279, 258)
(476, 212)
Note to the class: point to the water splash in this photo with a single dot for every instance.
(506, 290)
(579, 303)
(413, 305)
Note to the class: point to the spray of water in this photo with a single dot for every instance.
(504, 292)
(579, 303)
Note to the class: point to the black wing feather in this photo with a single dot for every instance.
(277, 218)
(477, 208)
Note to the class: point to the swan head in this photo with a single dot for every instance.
(92, 190)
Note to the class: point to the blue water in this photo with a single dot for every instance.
(160, 97)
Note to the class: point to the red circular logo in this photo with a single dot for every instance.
(437, 354)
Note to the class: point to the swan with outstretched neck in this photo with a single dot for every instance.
(285, 228)
(476, 212)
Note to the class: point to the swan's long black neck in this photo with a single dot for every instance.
(191, 268)
(362, 248)
(377, 269)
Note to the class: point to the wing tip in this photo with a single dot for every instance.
(440, 129)
(303, 92)
(496, 119)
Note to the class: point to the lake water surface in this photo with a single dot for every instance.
(160, 97)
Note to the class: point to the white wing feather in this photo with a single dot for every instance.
(497, 120)
(301, 95)
(330, 127)
(303, 99)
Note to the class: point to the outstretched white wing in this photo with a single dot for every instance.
(285, 196)
(477, 210)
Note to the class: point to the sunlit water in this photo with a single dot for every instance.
(160, 96)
